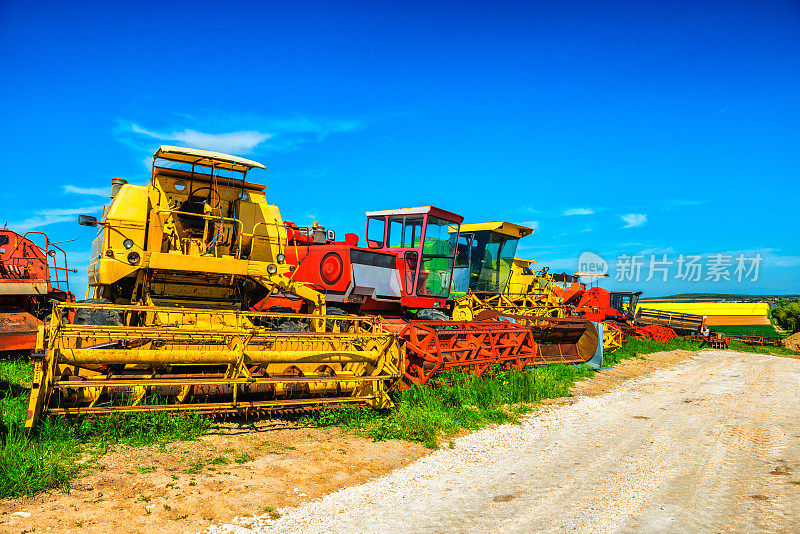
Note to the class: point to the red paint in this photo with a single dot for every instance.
(26, 267)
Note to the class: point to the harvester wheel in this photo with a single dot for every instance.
(432, 315)
(286, 324)
(332, 325)
(98, 317)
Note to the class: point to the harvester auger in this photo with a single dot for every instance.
(174, 264)
(404, 274)
(489, 282)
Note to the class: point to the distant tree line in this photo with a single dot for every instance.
(787, 315)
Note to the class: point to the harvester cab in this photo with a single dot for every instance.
(485, 256)
(489, 277)
(407, 262)
(624, 303)
(197, 234)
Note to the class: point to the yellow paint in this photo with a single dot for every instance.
(354, 361)
(710, 308)
(501, 227)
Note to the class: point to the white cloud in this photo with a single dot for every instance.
(530, 224)
(634, 220)
(242, 142)
(253, 134)
(52, 216)
(586, 230)
(92, 191)
(578, 211)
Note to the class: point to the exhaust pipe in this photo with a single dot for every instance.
(116, 185)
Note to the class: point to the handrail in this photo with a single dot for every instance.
(276, 225)
(53, 280)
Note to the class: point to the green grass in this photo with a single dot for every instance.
(243, 458)
(461, 402)
(747, 330)
(53, 453)
(760, 349)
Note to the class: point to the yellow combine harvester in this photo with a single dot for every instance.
(173, 268)
(488, 282)
(493, 279)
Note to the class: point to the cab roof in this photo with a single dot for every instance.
(501, 227)
(206, 158)
(421, 210)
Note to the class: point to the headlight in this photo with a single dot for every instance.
(272, 268)
(128, 243)
(281, 258)
(133, 258)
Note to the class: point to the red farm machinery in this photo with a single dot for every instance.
(33, 272)
(404, 274)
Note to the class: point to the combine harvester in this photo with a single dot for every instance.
(404, 274)
(416, 262)
(174, 267)
(31, 276)
(491, 283)
(484, 273)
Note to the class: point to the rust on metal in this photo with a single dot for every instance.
(18, 331)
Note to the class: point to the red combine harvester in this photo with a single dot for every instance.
(596, 304)
(30, 277)
(406, 265)
(403, 274)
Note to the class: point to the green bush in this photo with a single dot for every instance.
(788, 316)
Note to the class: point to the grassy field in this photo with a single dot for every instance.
(766, 349)
(748, 330)
(55, 452)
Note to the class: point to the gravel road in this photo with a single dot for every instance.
(709, 444)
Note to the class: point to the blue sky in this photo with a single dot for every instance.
(625, 128)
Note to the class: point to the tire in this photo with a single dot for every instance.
(98, 317)
(432, 315)
(330, 323)
(285, 324)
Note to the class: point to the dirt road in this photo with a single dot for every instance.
(708, 444)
